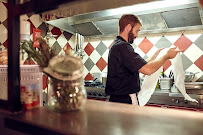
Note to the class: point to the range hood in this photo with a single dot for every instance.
(159, 17)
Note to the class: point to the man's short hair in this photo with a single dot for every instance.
(128, 19)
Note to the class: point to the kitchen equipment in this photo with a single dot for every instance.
(194, 85)
(103, 23)
(79, 40)
(92, 83)
(97, 93)
(165, 83)
(171, 75)
(189, 76)
(98, 76)
(104, 80)
(176, 100)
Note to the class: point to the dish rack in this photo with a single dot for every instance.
(30, 76)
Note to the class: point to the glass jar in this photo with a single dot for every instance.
(66, 95)
(66, 91)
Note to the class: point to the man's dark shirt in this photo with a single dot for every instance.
(123, 66)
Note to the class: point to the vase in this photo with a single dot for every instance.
(66, 96)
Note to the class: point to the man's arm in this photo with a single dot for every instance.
(154, 65)
(153, 57)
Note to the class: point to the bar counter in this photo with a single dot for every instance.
(106, 118)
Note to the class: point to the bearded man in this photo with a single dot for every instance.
(124, 64)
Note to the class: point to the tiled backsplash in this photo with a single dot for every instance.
(190, 41)
(96, 50)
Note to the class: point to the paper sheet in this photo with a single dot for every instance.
(150, 82)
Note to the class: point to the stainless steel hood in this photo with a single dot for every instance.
(159, 17)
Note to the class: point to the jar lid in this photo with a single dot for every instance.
(65, 67)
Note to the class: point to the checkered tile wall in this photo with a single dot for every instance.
(96, 50)
(191, 42)
(62, 42)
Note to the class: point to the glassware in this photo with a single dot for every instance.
(66, 91)
(66, 95)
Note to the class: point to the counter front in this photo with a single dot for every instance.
(106, 118)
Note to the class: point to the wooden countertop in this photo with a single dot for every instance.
(106, 118)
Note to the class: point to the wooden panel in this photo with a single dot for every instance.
(106, 118)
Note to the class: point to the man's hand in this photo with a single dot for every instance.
(154, 65)
(157, 52)
(155, 55)
(172, 52)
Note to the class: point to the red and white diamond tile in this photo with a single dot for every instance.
(154, 39)
(3, 11)
(24, 17)
(85, 57)
(145, 45)
(192, 35)
(105, 69)
(3, 33)
(36, 20)
(89, 49)
(62, 40)
(140, 52)
(166, 65)
(108, 42)
(193, 52)
(172, 37)
(67, 47)
(138, 40)
(88, 77)
(105, 55)
(101, 64)
(95, 56)
(183, 42)
(31, 26)
(56, 31)
(85, 72)
(111, 45)
(84, 43)
(199, 62)
(94, 69)
(71, 41)
(152, 51)
(95, 43)
(5, 44)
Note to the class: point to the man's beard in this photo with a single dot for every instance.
(131, 37)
